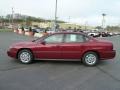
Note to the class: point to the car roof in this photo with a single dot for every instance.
(69, 33)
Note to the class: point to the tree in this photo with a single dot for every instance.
(111, 28)
(98, 27)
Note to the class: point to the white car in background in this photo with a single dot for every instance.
(50, 31)
(94, 34)
(19, 29)
(26, 29)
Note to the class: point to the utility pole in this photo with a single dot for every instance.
(9, 19)
(69, 19)
(55, 22)
(25, 18)
(12, 17)
(103, 21)
(0, 21)
(86, 23)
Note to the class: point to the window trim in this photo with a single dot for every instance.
(85, 36)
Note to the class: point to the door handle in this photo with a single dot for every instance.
(57, 46)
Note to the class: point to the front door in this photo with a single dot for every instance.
(51, 49)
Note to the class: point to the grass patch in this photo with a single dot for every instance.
(6, 30)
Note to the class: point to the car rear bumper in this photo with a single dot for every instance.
(107, 55)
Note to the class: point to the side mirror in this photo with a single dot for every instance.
(43, 42)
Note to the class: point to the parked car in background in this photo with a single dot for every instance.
(19, 28)
(50, 31)
(67, 46)
(26, 29)
(38, 30)
(104, 34)
(116, 33)
(94, 34)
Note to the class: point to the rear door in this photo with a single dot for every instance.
(73, 46)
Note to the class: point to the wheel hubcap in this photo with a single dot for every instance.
(90, 59)
(25, 57)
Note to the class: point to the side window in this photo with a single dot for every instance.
(74, 38)
(58, 38)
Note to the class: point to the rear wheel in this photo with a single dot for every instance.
(25, 56)
(90, 59)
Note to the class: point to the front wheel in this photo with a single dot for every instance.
(90, 59)
(25, 56)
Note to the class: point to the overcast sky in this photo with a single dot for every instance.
(78, 11)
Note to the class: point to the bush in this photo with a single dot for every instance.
(5, 30)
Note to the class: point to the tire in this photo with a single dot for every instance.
(90, 59)
(25, 56)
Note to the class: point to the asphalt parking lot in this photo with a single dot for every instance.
(56, 75)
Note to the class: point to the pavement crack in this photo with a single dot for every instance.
(11, 68)
(108, 74)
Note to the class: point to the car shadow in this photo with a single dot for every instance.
(58, 62)
(105, 62)
(62, 63)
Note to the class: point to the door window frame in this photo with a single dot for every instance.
(54, 42)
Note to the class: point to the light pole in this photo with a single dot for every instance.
(103, 21)
(69, 19)
(86, 23)
(55, 22)
(1, 20)
(12, 17)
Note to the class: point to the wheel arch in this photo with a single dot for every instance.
(24, 49)
(97, 53)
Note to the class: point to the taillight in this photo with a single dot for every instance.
(109, 47)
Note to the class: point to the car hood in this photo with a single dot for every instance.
(24, 44)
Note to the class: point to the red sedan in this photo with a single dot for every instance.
(63, 46)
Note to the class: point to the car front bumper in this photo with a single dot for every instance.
(11, 54)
